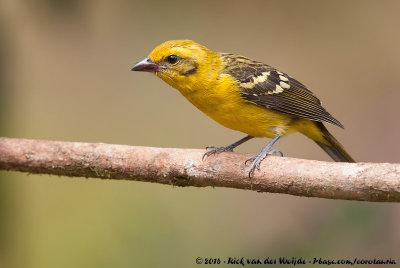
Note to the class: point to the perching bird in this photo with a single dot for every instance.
(244, 95)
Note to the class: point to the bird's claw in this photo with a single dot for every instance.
(216, 150)
(275, 151)
(258, 158)
(250, 159)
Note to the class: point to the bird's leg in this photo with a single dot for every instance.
(229, 148)
(260, 157)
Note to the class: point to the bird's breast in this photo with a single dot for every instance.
(223, 103)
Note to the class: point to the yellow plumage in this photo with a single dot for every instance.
(243, 95)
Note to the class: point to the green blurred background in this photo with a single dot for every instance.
(65, 75)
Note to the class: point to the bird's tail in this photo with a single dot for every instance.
(332, 147)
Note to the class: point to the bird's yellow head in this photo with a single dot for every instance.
(178, 62)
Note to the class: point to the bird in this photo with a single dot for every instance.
(244, 95)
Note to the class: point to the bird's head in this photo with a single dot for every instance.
(176, 61)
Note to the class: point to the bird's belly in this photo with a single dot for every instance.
(253, 120)
(248, 118)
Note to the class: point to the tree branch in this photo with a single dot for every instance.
(184, 167)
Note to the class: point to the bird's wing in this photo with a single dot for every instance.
(268, 88)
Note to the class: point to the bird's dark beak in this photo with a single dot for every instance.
(146, 65)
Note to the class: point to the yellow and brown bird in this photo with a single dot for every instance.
(244, 95)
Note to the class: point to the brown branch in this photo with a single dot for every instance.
(184, 167)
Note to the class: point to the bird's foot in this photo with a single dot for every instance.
(217, 150)
(260, 157)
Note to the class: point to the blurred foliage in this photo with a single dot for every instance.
(4, 194)
(62, 6)
(3, 91)
(64, 75)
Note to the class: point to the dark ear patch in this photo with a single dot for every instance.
(192, 68)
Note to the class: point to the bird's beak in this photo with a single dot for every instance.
(146, 65)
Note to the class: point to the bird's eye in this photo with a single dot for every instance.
(172, 59)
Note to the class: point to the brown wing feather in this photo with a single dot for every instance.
(268, 88)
